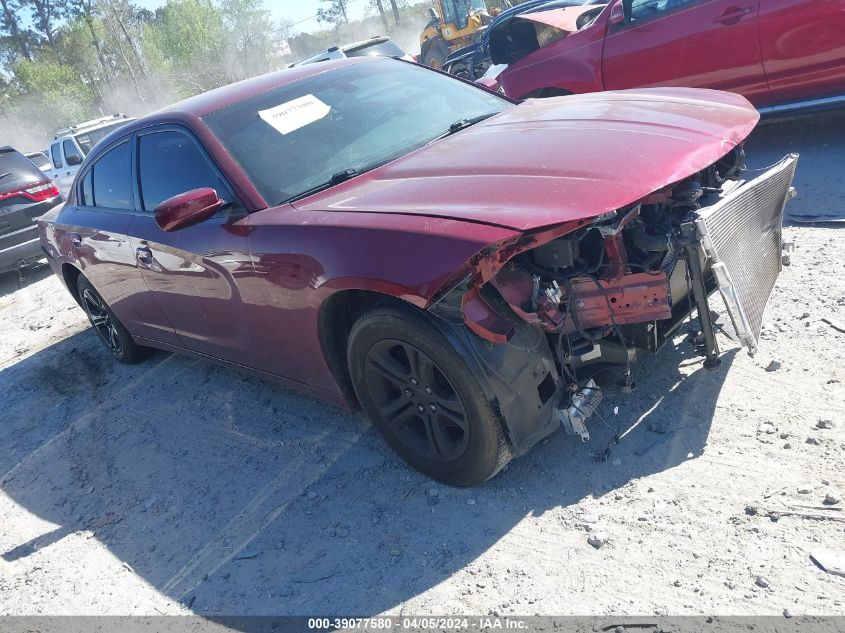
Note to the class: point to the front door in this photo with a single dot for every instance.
(193, 272)
(692, 43)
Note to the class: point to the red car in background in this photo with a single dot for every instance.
(384, 236)
(782, 55)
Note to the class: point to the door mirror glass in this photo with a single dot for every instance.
(187, 209)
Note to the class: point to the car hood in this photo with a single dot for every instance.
(548, 161)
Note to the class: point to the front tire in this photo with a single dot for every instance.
(424, 398)
(109, 329)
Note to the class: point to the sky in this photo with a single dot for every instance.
(301, 12)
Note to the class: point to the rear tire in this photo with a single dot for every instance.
(108, 328)
(423, 397)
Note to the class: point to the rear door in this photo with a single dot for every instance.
(693, 43)
(193, 272)
(98, 231)
(803, 43)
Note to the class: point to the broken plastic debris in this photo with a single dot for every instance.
(831, 561)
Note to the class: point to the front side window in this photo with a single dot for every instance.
(111, 179)
(299, 136)
(56, 153)
(170, 163)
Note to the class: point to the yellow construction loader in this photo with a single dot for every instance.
(451, 25)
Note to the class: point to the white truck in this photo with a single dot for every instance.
(70, 146)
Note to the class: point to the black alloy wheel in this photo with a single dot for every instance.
(423, 397)
(109, 329)
(102, 322)
(417, 401)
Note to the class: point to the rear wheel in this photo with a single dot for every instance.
(423, 398)
(107, 326)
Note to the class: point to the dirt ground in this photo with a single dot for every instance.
(176, 486)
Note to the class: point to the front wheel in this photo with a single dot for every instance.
(107, 326)
(423, 398)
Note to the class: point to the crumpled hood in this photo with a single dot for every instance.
(548, 161)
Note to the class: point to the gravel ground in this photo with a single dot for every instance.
(176, 486)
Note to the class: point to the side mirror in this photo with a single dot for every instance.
(74, 159)
(187, 209)
(617, 15)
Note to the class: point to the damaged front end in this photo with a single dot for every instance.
(539, 317)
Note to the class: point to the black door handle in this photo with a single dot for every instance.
(75, 239)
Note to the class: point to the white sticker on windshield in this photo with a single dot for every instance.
(295, 114)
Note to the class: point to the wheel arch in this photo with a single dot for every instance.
(70, 275)
(335, 319)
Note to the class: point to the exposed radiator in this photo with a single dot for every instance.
(741, 235)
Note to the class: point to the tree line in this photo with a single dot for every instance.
(65, 61)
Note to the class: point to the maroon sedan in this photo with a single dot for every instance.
(782, 55)
(384, 236)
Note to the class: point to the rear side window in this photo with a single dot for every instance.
(111, 179)
(72, 155)
(56, 153)
(16, 170)
(170, 163)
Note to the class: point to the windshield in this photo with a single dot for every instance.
(87, 140)
(296, 137)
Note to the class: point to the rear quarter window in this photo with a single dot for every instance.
(111, 179)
